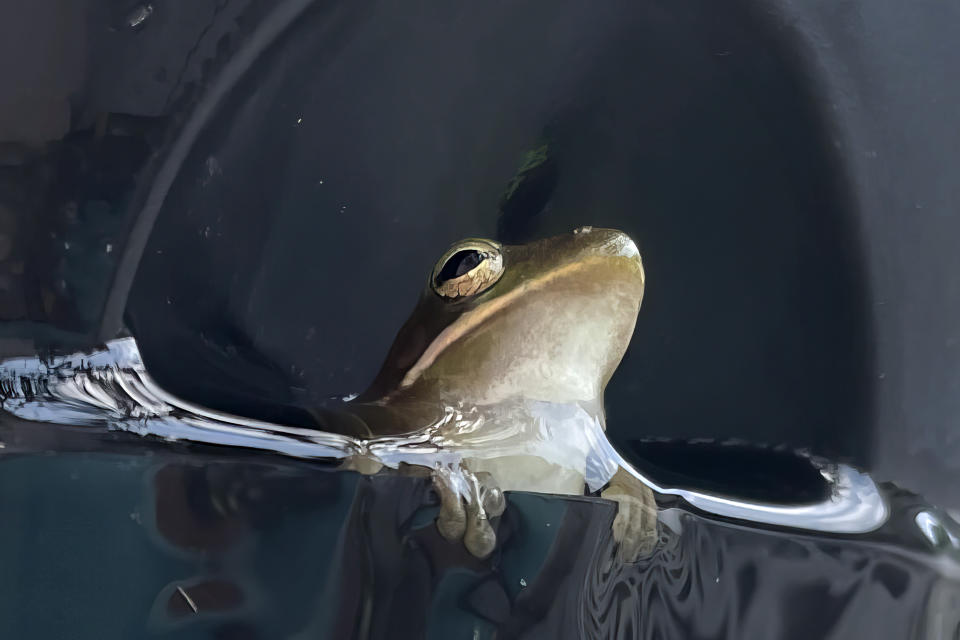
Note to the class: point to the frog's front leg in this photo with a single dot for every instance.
(635, 525)
(467, 502)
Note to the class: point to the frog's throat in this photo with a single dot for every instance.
(469, 321)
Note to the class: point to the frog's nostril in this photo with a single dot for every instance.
(615, 243)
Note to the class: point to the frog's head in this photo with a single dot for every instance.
(547, 321)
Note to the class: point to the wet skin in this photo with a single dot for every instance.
(504, 362)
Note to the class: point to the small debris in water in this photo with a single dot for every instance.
(193, 605)
(139, 16)
(213, 169)
(523, 583)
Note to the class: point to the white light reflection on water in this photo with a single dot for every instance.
(111, 388)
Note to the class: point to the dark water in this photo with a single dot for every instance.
(268, 548)
(141, 534)
(255, 190)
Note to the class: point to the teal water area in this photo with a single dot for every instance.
(168, 541)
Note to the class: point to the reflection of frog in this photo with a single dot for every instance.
(500, 373)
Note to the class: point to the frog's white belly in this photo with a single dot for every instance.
(529, 473)
(525, 445)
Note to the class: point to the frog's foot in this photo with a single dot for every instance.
(467, 502)
(635, 526)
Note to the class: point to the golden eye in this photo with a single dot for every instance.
(468, 268)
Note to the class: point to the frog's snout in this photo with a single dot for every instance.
(622, 245)
(610, 242)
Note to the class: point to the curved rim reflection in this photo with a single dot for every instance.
(112, 387)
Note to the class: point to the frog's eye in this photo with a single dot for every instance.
(468, 268)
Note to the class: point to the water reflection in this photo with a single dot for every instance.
(111, 387)
(221, 546)
(201, 545)
(236, 544)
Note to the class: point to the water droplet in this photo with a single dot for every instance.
(931, 527)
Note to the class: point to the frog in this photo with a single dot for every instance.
(496, 382)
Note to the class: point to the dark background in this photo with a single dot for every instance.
(272, 205)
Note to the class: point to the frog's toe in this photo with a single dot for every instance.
(452, 519)
(468, 519)
(492, 498)
(635, 525)
(479, 538)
